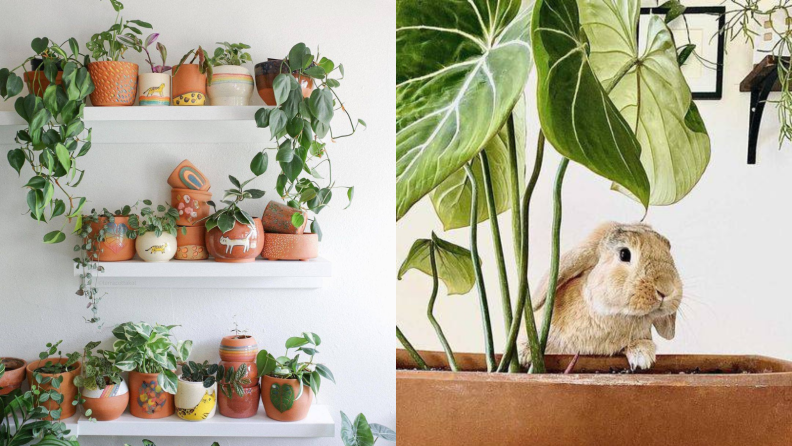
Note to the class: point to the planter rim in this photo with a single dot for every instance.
(33, 365)
(112, 62)
(23, 364)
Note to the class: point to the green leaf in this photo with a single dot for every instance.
(321, 105)
(226, 223)
(74, 46)
(63, 156)
(295, 126)
(297, 219)
(282, 396)
(16, 158)
(54, 237)
(456, 83)
(316, 72)
(350, 195)
(77, 211)
(316, 229)
(675, 9)
(285, 154)
(262, 117)
(576, 115)
(357, 433)
(383, 432)
(168, 381)
(39, 44)
(281, 87)
(265, 363)
(259, 164)
(292, 168)
(277, 122)
(296, 341)
(325, 372)
(59, 209)
(299, 57)
(13, 85)
(234, 181)
(685, 53)
(36, 182)
(454, 265)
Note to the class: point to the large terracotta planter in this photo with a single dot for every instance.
(67, 387)
(151, 248)
(187, 176)
(727, 401)
(155, 89)
(107, 404)
(265, 76)
(244, 406)
(299, 407)
(241, 244)
(147, 399)
(194, 402)
(14, 375)
(277, 218)
(189, 86)
(290, 246)
(231, 85)
(117, 246)
(192, 205)
(37, 82)
(191, 243)
(242, 348)
(115, 83)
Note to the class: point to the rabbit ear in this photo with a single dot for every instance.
(666, 326)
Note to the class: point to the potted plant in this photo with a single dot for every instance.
(288, 385)
(189, 80)
(116, 80)
(266, 72)
(232, 235)
(14, 374)
(151, 355)
(155, 234)
(196, 394)
(46, 67)
(239, 391)
(50, 372)
(104, 392)
(155, 87)
(231, 83)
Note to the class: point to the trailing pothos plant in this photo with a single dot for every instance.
(307, 373)
(460, 132)
(225, 219)
(299, 125)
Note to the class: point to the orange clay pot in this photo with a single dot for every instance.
(300, 407)
(277, 218)
(108, 403)
(240, 244)
(252, 373)
(14, 375)
(115, 82)
(242, 349)
(187, 176)
(266, 72)
(189, 86)
(67, 387)
(290, 246)
(192, 245)
(147, 399)
(116, 246)
(245, 406)
(37, 82)
(191, 205)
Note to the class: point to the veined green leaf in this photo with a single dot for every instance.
(454, 265)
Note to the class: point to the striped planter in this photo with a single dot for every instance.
(107, 403)
(231, 85)
(155, 89)
(238, 349)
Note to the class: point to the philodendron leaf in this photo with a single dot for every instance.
(460, 69)
(577, 116)
(454, 265)
(357, 433)
(282, 396)
(653, 97)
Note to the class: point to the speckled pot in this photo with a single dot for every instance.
(192, 206)
(290, 246)
(277, 218)
(37, 82)
(67, 387)
(192, 245)
(115, 82)
(14, 375)
(245, 406)
(240, 244)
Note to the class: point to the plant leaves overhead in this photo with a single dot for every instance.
(577, 116)
(461, 65)
(451, 199)
(454, 265)
(653, 96)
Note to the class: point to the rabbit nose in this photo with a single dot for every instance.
(660, 295)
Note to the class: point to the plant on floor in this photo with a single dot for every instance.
(204, 63)
(225, 219)
(149, 221)
(111, 45)
(361, 433)
(232, 382)
(594, 88)
(299, 125)
(307, 373)
(230, 54)
(200, 373)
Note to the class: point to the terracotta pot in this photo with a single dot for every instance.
(147, 399)
(727, 401)
(14, 375)
(108, 403)
(231, 85)
(245, 406)
(67, 387)
(187, 176)
(189, 86)
(151, 248)
(37, 82)
(240, 244)
(192, 206)
(252, 373)
(243, 349)
(192, 245)
(117, 246)
(297, 411)
(194, 402)
(265, 76)
(290, 246)
(155, 89)
(115, 82)
(277, 218)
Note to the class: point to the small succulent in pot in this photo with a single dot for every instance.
(156, 234)
(200, 373)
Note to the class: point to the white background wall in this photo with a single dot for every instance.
(731, 238)
(354, 314)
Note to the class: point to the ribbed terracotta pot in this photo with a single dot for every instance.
(155, 89)
(241, 244)
(115, 82)
(192, 206)
(117, 246)
(152, 248)
(266, 72)
(231, 85)
(192, 244)
(187, 176)
(147, 399)
(37, 82)
(67, 387)
(298, 409)
(242, 348)
(106, 404)
(691, 400)
(14, 375)
(189, 86)
(277, 218)
(194, 402)
(244, 406)
(290, 246)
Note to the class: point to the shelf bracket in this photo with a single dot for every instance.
(759, 94)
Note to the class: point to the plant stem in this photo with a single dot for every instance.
(430, 312)
(485, 317)
(514, 192)
(411, 350)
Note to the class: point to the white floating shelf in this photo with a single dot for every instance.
(211, 274)
(154, 113)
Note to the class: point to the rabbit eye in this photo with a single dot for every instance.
(625, 255)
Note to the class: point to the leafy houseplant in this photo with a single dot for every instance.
(156, 234)
(46, 65)
(230, 54)
(225, 219)
(98, 371)
(103, 392)
(232, 235)
(204, 62)
(155, 87)
(232, 382)
(230, 82)
(361, 433)
(204, 373)
(196, 397)
(54, 370)
(110, 45)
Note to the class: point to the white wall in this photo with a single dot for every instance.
(731, 238)
(354, 314)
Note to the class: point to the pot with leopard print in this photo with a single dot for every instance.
(151, 248)
(194, 402)
(154, 88)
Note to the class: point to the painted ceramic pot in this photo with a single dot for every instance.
(231, 85)
(241, 244)
(192, 206)
(244, 406)
(147, 399)
(290, 246)
(115, 83)
(117, 246)
(252, 370)
(37, 82)
(14, 375)
(265, 76)
(151, 248)
(155, 89)
(67, 387)
(187, 176)
(277, 218)
(191, 243)
(189, 86)
(194, 402)
(280, 399)
(241, 348)
(108, 403)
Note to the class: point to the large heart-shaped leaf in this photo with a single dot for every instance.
(577, 116)
(357, 433)
(454, 265)
(460, 68)
(653, 96)
(282, 396)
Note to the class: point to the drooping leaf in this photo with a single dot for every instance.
(357, 433)
(454, 265)
(383, 432)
